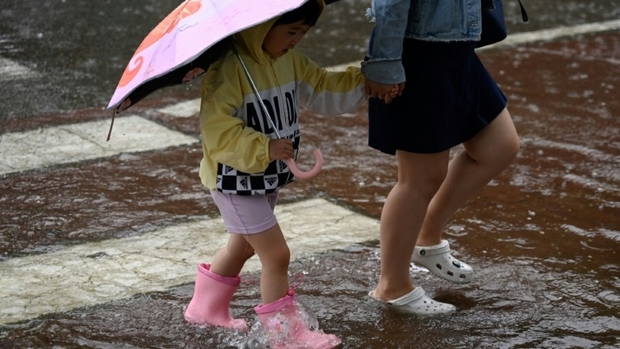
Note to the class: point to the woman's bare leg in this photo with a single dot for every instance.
(419, 178)
(484, 157)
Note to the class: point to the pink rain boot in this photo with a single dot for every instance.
(285, 323)
(212, 295)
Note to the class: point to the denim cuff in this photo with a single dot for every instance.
(385, 71)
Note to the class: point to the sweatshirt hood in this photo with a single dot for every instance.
(250, 41)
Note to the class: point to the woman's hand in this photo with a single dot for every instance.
(382, 91)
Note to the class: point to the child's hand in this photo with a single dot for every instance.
(281, 149)
(383, 91)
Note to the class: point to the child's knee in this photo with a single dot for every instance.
(284, 255)
(280, 255)
(237, 251)
(247, 254)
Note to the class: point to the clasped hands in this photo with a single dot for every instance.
(385, 92)
(281, 149)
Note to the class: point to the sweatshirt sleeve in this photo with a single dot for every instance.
(225, 138)
(330, 92)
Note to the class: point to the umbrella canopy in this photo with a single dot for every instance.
(185, 43)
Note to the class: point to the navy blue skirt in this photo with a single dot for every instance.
(449, 97)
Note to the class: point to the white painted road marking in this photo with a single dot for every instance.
(22, 151)
(10, 70)
(99, 272)
(183, 109)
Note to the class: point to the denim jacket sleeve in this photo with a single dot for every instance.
(383, 63)
(426, 20)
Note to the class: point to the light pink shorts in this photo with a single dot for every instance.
(246, 214)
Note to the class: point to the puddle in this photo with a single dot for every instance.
(515, 302)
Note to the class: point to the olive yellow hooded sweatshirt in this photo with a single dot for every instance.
(234, 129)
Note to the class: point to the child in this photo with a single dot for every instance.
(244, 166)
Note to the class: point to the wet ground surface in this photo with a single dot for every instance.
(543, 237)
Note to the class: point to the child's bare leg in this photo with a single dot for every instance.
(216, 284)
(485, 156)
(230, 259)
(279, 313)
(274, 255)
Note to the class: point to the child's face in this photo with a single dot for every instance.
(284, 37)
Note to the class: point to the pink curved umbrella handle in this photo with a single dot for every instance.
(318, 158)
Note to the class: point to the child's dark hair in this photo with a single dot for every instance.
(308, 14)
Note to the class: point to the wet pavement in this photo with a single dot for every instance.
(100, 252)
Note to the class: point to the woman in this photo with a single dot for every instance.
(449, 99)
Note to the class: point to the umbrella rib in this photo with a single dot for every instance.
(260, 100)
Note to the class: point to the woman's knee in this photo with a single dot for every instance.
(422, 174)
(497, 144)
(509, 143)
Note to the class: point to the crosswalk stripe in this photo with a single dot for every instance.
(183, 109)
(99, 272)
(10, 70)
(22, 151)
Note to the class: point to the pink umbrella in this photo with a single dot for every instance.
(184, 44)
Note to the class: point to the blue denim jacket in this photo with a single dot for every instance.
(428, 20)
